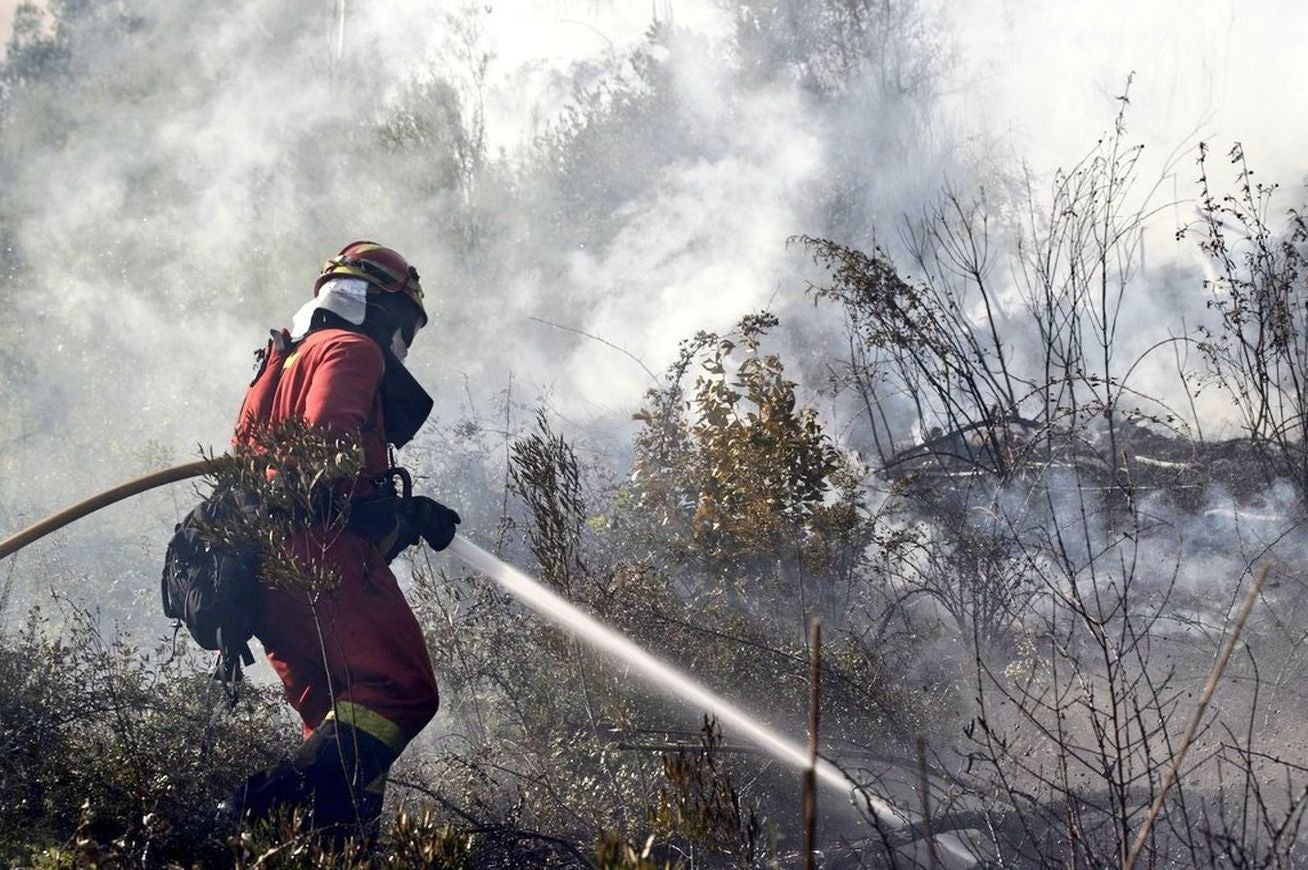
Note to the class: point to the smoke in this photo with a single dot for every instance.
(1220, 71)
(174, 173)
(1046, 80)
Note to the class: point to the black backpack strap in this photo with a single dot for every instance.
(227, 668)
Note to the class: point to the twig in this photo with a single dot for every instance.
(508, 466)
(491, 828)
(494, 830)
(968, 820)
(506, 832)
(926, 802)
(1192, 729)
(682, 747)
(810, 773)
(604, 341)
(439, 798)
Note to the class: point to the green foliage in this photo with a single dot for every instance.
(736, 470)
(109, 749)
(300, 477)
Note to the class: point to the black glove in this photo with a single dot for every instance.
(432, 520)
(419, 517)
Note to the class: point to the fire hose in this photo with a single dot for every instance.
(55, 522)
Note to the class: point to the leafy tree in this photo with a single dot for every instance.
(737, 469)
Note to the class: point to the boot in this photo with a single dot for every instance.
(345, 770)
(255, 800)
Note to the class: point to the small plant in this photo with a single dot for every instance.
(290, 487)
(737, 471)
(1258, 350)
(543, 472)
(700, 804)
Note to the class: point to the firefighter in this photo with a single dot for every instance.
(352, 659)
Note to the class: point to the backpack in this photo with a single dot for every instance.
(211, 586)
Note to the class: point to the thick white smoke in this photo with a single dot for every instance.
(171, 196)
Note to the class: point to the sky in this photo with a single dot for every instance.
(7, 17)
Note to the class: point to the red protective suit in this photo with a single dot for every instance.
(362, 659)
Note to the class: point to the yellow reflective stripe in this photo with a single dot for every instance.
(369, 722)
(290, 360)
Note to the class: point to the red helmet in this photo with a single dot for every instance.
(381, 267)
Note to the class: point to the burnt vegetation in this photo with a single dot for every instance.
(1024, 533)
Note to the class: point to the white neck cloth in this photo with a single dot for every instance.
(345, 297)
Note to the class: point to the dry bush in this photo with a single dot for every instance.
(115, 750)
(1257, 352)
(1039, 531)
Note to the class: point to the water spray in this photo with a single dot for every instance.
(681, 686)
(575, 622)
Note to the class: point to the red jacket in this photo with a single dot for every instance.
(370, 665)
(331, 379)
